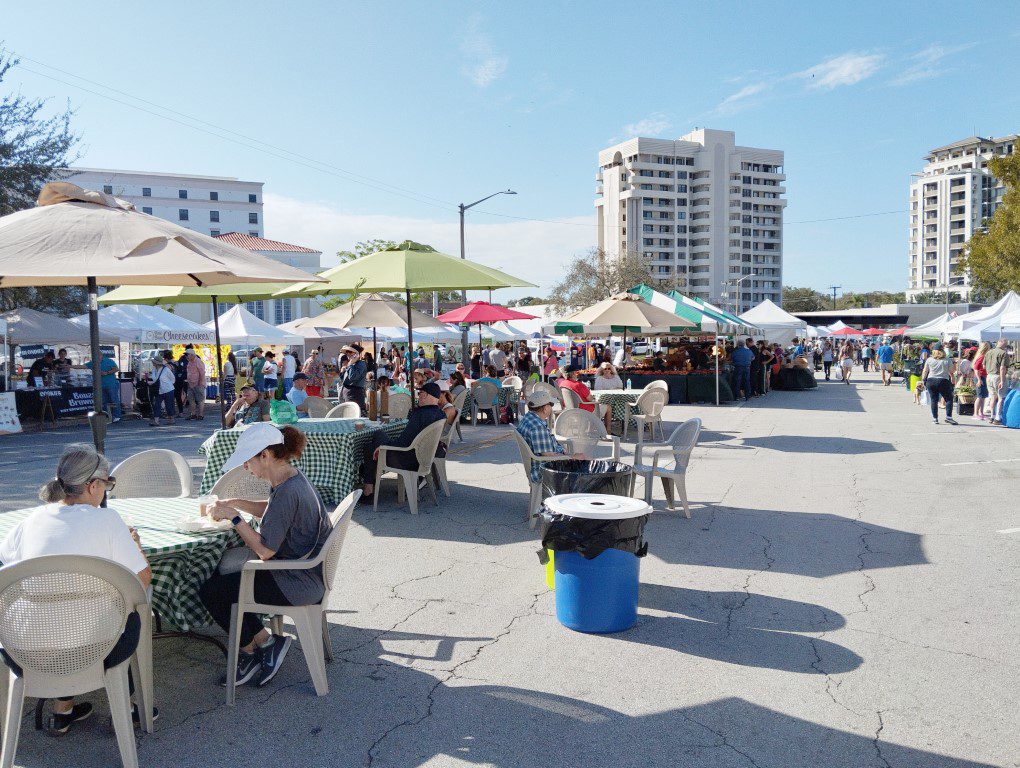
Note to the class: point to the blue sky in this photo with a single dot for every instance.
(399, 111)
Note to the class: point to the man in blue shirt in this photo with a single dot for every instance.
(110, 384)
(297, 394)
(885, 361)
(534, 428)
(742, 358)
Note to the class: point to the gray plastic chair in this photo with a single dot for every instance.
(400, 405)
(528, 458)
(650, 403)
(484, 395)
(669, 463)
(317, 407)
(346, 410)
(584, 431)
(155, 473)
(424, 447)
(239, 483)
(60, 616)
(309, 620)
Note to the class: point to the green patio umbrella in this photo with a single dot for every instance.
(409, 267)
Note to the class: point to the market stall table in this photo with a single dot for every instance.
(330, 460)
(181, 562)
(53, 402)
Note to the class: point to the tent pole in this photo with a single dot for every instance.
(219, 364)
(717, 369)
(410, 347)
(98, 425)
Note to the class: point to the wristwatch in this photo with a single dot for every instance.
(236, 520)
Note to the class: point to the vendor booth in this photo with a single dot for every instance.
(776, 323)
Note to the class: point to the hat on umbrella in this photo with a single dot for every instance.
(253, 440)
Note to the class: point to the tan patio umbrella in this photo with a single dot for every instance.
(81, 237)
(622, 313)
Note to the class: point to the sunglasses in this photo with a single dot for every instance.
(111, 481)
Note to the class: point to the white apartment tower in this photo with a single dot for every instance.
(950, 201)
(705, 214)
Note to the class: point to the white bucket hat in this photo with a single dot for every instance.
(253, 440)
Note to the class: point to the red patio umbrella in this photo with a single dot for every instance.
(846, 332)
(874, 332)
(482, 312)
(898, 331)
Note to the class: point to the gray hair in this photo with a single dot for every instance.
(740, 342)
(79, 463)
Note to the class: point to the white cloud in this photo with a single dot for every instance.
(483, 65)
(652, 125)
(744, 93)
(846, 69)
(533, 250)
(927, 63)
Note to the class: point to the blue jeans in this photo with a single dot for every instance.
(742, 381)
(111, 398)
(288, 385)
(161, 403)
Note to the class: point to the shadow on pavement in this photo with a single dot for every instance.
(820, 444)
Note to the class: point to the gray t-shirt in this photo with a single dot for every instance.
(938, 369)
(296, 526)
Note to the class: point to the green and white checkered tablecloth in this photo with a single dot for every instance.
(617, 399)
(331, 458)
(507, 396)
(181, 562)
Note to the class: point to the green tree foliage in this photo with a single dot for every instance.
(937, 297)
(527, 301)
(993, 257)
(596, 276)
(804, 300)
(34, 148)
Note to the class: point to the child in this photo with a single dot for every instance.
(918, 391)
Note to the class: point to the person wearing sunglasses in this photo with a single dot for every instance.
(72, 522)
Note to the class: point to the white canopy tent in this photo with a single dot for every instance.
(1009, 325)
(239, 326)
(777, 324)
(29, 326)
(148, 325)
(839, 325)
(936, 327)
(987, 318)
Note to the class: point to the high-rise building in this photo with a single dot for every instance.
(704, 214)
(221, 206)
(949, 201)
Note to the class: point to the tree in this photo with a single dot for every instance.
(34, 149)
(803, 300)
(992, 257)
(937, 297)
(596, 276)
(527, 301)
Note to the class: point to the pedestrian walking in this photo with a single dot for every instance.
(937, 377)
(827, 355)
(846, 362)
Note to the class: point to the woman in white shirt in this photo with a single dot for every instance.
(607, 378)
(72, 523)
(161, 391)
(270, 374)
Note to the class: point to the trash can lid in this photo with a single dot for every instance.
(597, 506)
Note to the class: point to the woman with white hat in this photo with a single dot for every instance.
(294, 526)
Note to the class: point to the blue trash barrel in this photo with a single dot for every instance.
(601, 594)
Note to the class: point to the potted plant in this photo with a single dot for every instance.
(965, 393)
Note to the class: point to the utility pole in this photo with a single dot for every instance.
(834, 288)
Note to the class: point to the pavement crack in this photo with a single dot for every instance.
(746, 587)
(878, 735)
(723, 741)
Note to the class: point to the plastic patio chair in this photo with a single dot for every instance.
(60, 616)
(309, 620)
(424, 446)
(658, 384)
(345, 411)
(528, 458)
(239, 483)
(585, 431)
(400, 405)
(156, 473)
(484, 397)
(650, 404)
(513, 381)
(317, 407)
(669, 463)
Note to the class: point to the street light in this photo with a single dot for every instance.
(463, 294)
(736, 282)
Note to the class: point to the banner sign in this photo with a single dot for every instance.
(65, 401)
(9, 421)
(33, 351)
(177, 337)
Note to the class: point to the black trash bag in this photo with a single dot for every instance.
(590, 538)
(582, 476)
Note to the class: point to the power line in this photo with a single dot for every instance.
(844, 218)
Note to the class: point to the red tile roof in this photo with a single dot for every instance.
(252, 243)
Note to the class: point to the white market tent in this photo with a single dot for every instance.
(839, 325)
(148, 325)
(29, 326)
(778, 324)
(987, 319)
(1009, 325)
(239, 326)
(935, 327)
(315, 334)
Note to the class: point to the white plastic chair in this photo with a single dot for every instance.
(513, 381)
(669, 463)
(156, 473)
(658, 384)
(346, 410)
(309, 620)
(528, 458)
(650, 404)
(60, 616)
(424, 447)
(484, 396)
(584, 431)
(239, 483)
(458, 403)
(317, 407)
(400, 405)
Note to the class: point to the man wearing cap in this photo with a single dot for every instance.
(534, 428)
(428, 412)
(298, 394)
(354, 377)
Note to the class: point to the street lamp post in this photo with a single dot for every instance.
(463, 294)
(736, 282)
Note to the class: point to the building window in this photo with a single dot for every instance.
(146, 191)
(214, 232)
(253, 218)
(223, 307)
(214, 216)
(252, 199)
(257, 308)
(214, 195)
(283, 311)
(108, 189)
(147, 210)
(182, 193)
(253, 234)
(182, 214)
